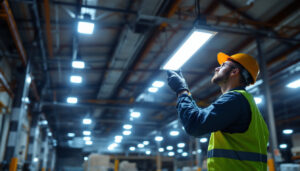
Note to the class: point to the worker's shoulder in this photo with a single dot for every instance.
(233, 96)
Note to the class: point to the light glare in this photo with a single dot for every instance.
(184, 154)
(85, 27)
(146, 142)
(179, 151)
(148, 152)
(195, 40)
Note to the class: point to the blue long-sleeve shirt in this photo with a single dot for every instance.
(229, 113)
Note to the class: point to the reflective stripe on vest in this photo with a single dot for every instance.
(238, 155)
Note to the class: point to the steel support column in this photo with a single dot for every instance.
(15, 148)
(198, 154)
(158, 158)
(268, 100)
(33, 140)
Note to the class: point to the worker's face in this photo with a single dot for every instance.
(222, 73)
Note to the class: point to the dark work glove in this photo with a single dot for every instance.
(176, 81)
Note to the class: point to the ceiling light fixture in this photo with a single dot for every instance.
(179, 151)
(153, 89)
(203, 140)
(196, 39)
(181, 145)
(127, 126)
(86, 132)
(78, 64)
(71, 134)
(148, 152)
(140, 145)
(257, 100)
(88, 142)
(75, 79)
(132, 148)
(158, 84)
(135, 114)
(87, 138)
(294, 84)
(169, 147)
(161, 149)
(174, 133)
(287, 131)
(171, 153)
(146, 142)
(184, 154)
(126, 132)
(283, 146)
(85, 27)
(72, 100)
(159, 138)
(86, 121)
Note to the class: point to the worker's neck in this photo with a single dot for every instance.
(228, 86)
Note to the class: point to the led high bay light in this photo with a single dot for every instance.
(194, 41)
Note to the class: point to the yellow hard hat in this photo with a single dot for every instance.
(247, 61)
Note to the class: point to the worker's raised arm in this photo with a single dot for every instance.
(229, 113)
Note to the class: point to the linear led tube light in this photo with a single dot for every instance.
(196, 39)
(294, 84)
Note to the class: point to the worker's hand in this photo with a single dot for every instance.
(176, 81)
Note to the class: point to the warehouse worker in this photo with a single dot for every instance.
(239, 134)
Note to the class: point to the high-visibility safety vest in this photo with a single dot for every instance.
(240, 151)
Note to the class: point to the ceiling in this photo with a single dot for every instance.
(123, 57)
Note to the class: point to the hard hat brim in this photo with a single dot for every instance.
(222, 57)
